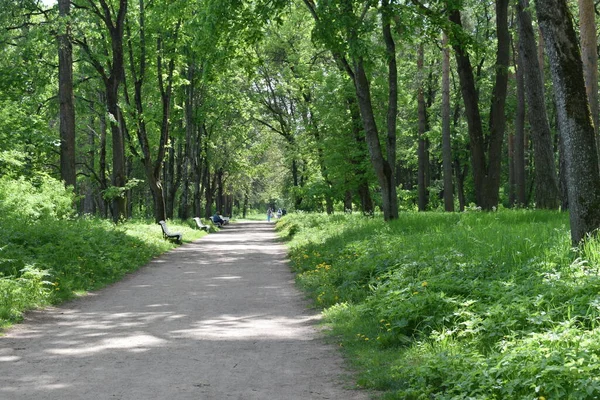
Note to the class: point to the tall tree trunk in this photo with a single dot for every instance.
(166, 91)
(471, 102)
(546, 180)
(392, 107)
(117, 76)
(423, 164)
(65, 95)
(446, 134)
(486, 170)
(169, 178)
(461, 174)
(208, 192)
(497, 115)
(364, 193)
(89, 200)
(574, 119)
(220, 199)
(112, 79)
(184, 206)
(246, 203)
(384, 168)
(138, 73)
(103, 204)
(589, 52)
(512, 195)
(519, 138)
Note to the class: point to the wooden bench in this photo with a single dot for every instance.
(200, 225)
(177, 236)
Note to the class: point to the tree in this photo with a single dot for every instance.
(65, 90)
(113, 75)
(138, 60)
(574, 119)
(446, 134)
(341, 24)
(546, 180)
(589, 52)
(485, 149)
(423, 142)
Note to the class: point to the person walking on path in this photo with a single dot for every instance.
(218, 318)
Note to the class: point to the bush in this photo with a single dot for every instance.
(30, 201)
(28, 290)
(458, 306)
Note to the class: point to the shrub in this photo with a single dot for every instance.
(458, 306)
(30, 201)
(24, 292)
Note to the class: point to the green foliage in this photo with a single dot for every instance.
(46, 257)
(32, 200)
(28, 290)
(457, 306)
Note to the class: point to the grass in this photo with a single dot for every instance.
(51, 260)
(456, 306)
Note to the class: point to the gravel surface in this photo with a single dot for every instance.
(219, 318)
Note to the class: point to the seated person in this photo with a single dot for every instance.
(218, 220)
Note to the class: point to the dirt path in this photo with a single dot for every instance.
(215, 319)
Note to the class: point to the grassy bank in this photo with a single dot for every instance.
(456, 306)
(49, 260)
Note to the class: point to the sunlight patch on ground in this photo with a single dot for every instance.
(137, 342)
(40, 382)
(227, 277)
(250, 327)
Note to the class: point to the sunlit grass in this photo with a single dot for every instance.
(452, 306)
(50, 260)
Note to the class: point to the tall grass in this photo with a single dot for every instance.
(48, 255)
(457, 306)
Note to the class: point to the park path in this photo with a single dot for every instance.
(218, 318)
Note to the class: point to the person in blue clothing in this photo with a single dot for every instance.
(269, 214)
(217, 219)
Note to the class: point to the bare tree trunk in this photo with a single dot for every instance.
(364, 193)
(546, 180)
(423, 164)
(589, 52)
(392, 109)
(497, 109)
(65, 95)
(446, 134)
(519, 139)
(461, 173)
(187, 168)
(88, 202)
(486, 170)
(219, 200)
(103, 204)
(574, 119)
(208, 192)
(512, 196)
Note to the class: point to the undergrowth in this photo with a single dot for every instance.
(48, 255)
(456, 306)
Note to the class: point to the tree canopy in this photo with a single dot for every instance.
(183, 108)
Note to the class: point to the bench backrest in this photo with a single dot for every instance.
(163, 225)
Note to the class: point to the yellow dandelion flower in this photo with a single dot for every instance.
(424, 284)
